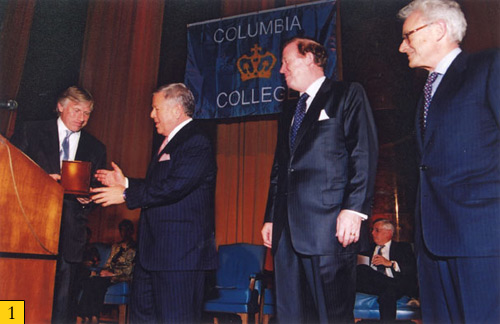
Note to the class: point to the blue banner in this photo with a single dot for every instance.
(233, 64)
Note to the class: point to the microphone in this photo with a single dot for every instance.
(9, 105)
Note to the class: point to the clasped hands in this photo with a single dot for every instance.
(115, 182)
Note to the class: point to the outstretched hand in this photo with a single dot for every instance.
(110, 178)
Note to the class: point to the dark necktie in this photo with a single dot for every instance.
(380, 267)
(65, 146)
(427, 99)
(300, 112)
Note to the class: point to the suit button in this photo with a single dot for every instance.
(291, 170)
(424, 167)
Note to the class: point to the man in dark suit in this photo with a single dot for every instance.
(392, 270)
(48, 143)
(176, 228)
(321, 189)
(458, 138)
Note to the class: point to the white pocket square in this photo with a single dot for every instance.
(323, 115)
(164, 157)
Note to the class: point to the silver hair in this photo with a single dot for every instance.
(386, 224)
(432, 10)
(181, 94)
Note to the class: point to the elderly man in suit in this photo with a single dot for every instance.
(176, 228)
(48, 143)
(321, 189)
(392, 270)
(458, 138)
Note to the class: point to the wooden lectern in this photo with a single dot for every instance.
(30, 219)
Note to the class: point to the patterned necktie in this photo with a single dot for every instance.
(427, 99)
(300, 112)
(65, 146)
(381, 267)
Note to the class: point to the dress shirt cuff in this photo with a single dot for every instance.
(126, 183)
(395, 266)
(363, 216)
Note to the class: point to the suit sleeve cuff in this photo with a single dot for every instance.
(363, 216)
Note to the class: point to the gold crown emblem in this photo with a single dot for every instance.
(256, 66)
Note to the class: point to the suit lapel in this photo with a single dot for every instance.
(313, 112)
(391, 250)
(418, 128)
(172, 144)
(50, 145)
(450, 83)
(81, 150)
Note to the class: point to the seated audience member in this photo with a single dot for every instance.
(118, 268)
(391, 273)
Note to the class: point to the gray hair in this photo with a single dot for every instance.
(180, 94)
(432, 10)
(386, 224)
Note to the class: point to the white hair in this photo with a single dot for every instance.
(432, 10)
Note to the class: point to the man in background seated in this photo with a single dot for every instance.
(392, 271)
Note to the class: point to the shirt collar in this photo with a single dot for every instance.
(445, 63)
(387, 245)
(314, 87)
(178, 128)
(61, 130)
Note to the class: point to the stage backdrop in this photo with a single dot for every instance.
(233, 63)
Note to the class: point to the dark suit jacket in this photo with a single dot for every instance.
(176, 229)
(402, 253)
(459, 194)
(40, 141)
(332, 167)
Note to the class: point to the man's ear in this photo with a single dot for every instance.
(309, 57)
(60, 107)
(440, 30)
(178, 111)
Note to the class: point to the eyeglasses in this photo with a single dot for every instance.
(406, 36)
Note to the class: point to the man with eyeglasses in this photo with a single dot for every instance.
(458, 138)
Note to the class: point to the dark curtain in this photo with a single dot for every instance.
(245, 151)
(120, 67)
(17, 17)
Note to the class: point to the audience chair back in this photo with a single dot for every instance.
(237, 279)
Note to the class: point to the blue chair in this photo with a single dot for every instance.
(366, 307)
(117, 294)
(237, 280)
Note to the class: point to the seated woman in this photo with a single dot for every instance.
(118, 268)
